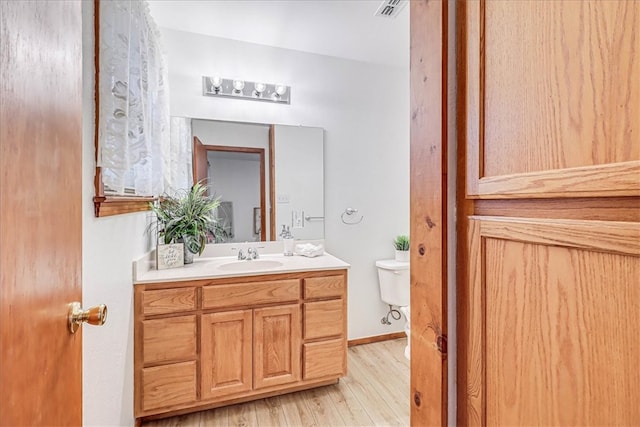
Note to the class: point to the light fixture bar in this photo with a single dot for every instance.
(256, 91)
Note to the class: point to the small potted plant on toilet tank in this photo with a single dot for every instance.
(401, 243)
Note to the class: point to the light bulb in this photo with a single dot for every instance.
(281, 89)
(216, 82)
(238, 85)
(259, 87)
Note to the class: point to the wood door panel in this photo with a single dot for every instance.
(277, 345)
(324, 319)
(324, 287)
(226, 347)
(325, 358)
(551, 103)
(546, 342)
(168, 385)
(169, 339)
(164, 301)
(244, 294)
(40, 212)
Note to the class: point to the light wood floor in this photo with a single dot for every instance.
(374, 393)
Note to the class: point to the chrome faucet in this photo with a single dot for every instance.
(241, 255)
(252, 253)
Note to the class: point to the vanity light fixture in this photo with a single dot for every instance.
(257, 91)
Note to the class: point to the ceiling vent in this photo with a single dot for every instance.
(390, 8)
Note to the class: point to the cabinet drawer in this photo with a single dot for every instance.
(243, 294)
(323, 319)
(168, 385)
(163, 301)
(324, 358)
(322, 287)
(173, 338)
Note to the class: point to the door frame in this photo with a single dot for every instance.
(429, 211)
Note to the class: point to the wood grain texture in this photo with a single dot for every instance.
(272, 183)
(324, 358)
(428, 209)
(616, 179)
(579, 103)
(200, 162)
(323, 319)
(590, 209)
(569, 128)
(472, 412)
(169, 339)
(243, 294)
(562, 329)
(276, 345)
(169, 385)
(324, 287)
(41, 212)
(165, 301)
(226, 353)
(604, 236)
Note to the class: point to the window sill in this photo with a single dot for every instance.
(116, 205)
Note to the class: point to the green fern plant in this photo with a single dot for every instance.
(188, 217)
(401, 243)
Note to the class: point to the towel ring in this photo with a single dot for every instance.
(349, 212)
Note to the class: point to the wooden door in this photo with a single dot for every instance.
(200, 161)
(225, 361)
(550, 302)
(428, 199)
(277, 345)
(41, 214)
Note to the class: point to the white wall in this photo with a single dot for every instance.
(364, 109)
(109, 246)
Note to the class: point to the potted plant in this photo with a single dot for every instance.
(401, 244)
(187, 218)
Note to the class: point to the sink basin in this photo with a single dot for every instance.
(256, 264)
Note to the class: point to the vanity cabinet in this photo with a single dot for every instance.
(207, 343)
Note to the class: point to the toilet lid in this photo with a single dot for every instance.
(392, 264)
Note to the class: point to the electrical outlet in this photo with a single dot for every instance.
(282, 198)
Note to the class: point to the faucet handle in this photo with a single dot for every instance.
(241, 255)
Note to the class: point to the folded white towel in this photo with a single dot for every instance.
(309, 249)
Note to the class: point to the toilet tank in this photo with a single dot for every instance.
(393, 278)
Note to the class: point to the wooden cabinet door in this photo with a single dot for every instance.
(226, 342)
(549, 295)
(277, 345)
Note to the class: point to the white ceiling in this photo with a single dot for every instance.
(341, 28)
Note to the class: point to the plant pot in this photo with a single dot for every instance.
(402, 256)
(188, 255)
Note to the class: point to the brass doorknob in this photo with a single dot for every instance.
(94, 316)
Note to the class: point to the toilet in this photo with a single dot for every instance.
(394, 279)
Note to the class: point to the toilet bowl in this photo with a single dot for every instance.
(394, 279)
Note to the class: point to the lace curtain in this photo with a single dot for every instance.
(134, 150)
(178, 162)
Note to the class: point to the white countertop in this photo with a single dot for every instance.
(226, 266)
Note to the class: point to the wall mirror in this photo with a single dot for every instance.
(267, 177)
